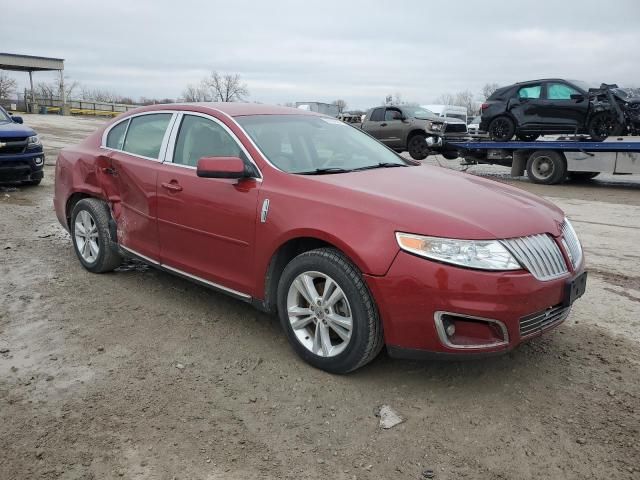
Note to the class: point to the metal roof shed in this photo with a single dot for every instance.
(30, 63)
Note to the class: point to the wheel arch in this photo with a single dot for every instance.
(289, 249)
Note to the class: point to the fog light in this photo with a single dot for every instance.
(39, 160)
(450, 329)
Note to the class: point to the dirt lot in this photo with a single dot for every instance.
(138, 374)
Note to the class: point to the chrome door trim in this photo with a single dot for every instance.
(163, 266)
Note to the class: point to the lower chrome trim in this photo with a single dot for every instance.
(143, 257)
(444, 338)
(217, 286)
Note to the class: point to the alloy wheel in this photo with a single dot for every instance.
(319, 314)
(86, 236)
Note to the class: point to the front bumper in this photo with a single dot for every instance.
(22, 166)
(415, 293)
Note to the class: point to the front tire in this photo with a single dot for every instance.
(501, 129)
(417, 147)
(328, 313)
(603, 125)
(546, 167)
(91, 237)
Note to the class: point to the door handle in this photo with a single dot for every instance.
(383, 124)
(172, 186)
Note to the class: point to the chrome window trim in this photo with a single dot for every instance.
(444, 338)
(185, 274)
(163, 146)
(174, 137)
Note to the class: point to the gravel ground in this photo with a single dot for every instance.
(139, 374)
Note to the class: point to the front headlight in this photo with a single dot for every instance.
(435, 126)
(480, 254)
(33, 141)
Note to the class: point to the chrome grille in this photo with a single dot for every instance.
(539, 321)
(571, 243)
(539, 254)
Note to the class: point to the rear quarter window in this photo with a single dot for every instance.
(115, 138)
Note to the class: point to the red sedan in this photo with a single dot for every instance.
(353, 246)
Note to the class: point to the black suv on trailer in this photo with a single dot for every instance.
(550, 106)
(21, 155)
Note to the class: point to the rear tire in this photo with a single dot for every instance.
(546, 167)
(91, 236)
(501, 129)
(451, 155)
(603, 125)
(417, 147)
(346, 334)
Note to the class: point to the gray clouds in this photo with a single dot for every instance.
(356, 50)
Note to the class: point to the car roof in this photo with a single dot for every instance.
(233, 109)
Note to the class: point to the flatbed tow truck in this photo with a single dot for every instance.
(553, 161)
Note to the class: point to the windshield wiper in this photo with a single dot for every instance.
(381, 165)
(325, 171)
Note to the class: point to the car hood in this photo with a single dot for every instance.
(11, 129)
(439, 202)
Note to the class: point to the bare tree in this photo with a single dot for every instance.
(488, 89)
(341, 104)
(466, 99)
(7, 85)
(227, 87)
(54, 89)
(197, 93)
(445, 99)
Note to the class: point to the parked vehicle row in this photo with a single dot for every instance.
(353, 246)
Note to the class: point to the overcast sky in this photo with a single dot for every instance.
(304, 50)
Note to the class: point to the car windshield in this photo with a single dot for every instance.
(4, 117)
(418, 112)
(309, 144)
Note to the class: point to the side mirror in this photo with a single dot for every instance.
(578, 97)
(16, 119)
(221, 167)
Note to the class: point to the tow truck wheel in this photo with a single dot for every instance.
(418, 148)
(546, 167)
(501, 129)
(450, 154)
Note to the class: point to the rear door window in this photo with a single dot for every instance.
(115, 138)
(377, 115)
(530, 91)
(560, 91)
(146, 133)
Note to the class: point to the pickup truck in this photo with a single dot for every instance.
(21, 153)
(413, 129)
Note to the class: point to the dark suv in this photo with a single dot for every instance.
(21, 155)
(551, 106)
(413, 129)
